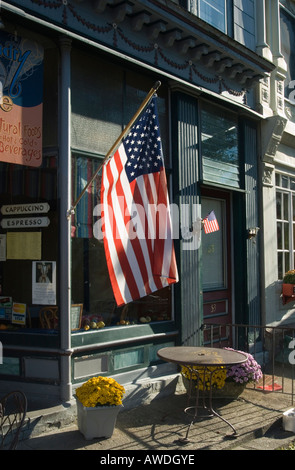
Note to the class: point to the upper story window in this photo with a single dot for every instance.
(214, 13)
(218, 13)
(287, 24)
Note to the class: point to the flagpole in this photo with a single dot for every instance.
(152, 91)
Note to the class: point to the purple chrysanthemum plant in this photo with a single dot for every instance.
(249, 371)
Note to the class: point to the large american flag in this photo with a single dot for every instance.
(210, 223)
(135, 207)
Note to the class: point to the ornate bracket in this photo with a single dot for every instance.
(272, 132)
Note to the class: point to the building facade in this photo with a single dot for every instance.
(73, 74)
(277, 154)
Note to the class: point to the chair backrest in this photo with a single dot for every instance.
(48, 317)
(13, 409)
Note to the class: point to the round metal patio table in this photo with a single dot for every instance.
(207, 360)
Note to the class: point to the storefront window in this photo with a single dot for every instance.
(29, 219)
(28, 243)
(90, 279)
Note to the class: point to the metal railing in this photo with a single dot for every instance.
(272, 347)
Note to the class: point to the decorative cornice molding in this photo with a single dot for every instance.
(157, 30)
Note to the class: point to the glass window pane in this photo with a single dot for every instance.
(286, 236)
(213, 12)
(219, 146)
(285, 181)
(280, 265)
(83, 169)
(219, 135)
(279, 205)
(287, 262)
(278, 180)
(97, 117)
(20, 184)
(279, 236)
(287, 40)
(286, 206)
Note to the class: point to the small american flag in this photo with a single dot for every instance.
(210, 223)
(138, 238)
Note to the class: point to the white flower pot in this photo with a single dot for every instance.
(97, 422)
(289, 420)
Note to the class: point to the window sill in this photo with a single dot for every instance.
(118, 335)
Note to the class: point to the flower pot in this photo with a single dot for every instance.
(288, 289)
(229, 390)
(97, 422)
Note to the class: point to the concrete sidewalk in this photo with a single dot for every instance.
(161, 424)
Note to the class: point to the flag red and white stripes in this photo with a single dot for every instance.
(136, 217)
(210, 223)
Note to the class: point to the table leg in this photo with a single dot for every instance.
(209, 409)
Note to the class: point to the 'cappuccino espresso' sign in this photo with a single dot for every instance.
(25, 209)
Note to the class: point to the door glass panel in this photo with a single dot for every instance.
(213, 247)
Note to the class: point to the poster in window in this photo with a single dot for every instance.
(23, 245)
(18, 313)
(44, 282)
(21, 100)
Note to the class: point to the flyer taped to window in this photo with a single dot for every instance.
(44, 282)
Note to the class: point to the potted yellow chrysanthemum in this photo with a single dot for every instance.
(99, 401)
(203, 378)
(223, 382)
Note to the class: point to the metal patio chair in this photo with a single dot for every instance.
(13, 408)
